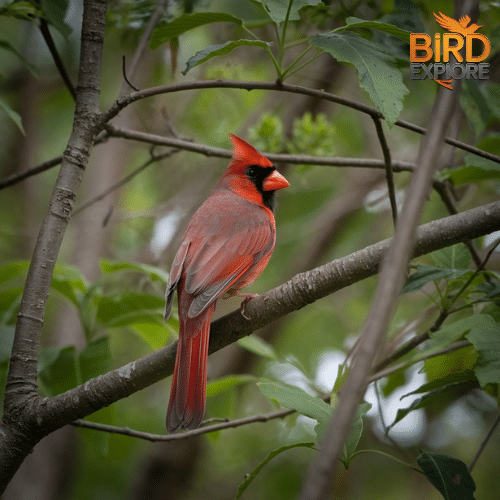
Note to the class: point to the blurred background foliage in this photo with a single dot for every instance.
(107, 301)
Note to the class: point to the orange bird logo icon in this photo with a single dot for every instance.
(460, 26)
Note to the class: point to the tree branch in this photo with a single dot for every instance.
(398, 166)
(303, 289)
(390, 283)
(19, 426)
(125, 101)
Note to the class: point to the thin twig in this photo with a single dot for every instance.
(274, 157)
(42, 167)
(484, 443)
(124, 71)
(154, 158)
(124, 101)
(388, 168)
(443, 189)
(44, 29)
(183, 435)
(18, 177)
(142, 45)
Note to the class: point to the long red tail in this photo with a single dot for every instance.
(186, 407)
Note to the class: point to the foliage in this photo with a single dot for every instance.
(120, 307)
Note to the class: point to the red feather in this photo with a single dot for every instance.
(225, 247)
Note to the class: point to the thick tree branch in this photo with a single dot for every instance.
(301, 290)
(19, 427)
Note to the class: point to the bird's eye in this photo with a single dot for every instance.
(251, 172)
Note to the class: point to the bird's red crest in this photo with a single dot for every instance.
(245, 153)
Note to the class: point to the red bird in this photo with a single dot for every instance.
(225, 247)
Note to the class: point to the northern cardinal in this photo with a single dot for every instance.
(226, 245)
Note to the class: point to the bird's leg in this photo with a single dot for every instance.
(246, 298)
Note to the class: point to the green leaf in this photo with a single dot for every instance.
(451, 332)
(186, 22)
(154, 273)
(96, 360)
(451, 378)
(258, 346)
(293, 397)
(277, 9)
(13, 269)
(156, 334)
(355, 435)
(4, 44)
(390, 29)
(13, 115)
(58, 370)
(453, 257)
(21, 10)
(215, 387)
(250, 477)
(485, 337)
(475, 168)
(474, 105)
(220, 50)
(10, 301)
(431, 398)
(129, 307)
(69, 282)
(425, 274)
(448, 475)
(377, 71)
(55, 11)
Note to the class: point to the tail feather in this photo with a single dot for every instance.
(186, 407)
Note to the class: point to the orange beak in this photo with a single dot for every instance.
(274, 181)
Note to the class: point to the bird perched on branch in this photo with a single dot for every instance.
(226, 246)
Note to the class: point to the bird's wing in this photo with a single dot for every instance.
(448, 23)
(175, 276)
(218, 261)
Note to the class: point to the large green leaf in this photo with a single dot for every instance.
(277, 9)
(377, 71)
(475, 168)
(425, 274)
(55, 11)
(293, 397)
(258, 346)
(215, 387)
(220, 50)
(390, 29)
(250, 477)
(484, 335)
(432, 397)
(165, 32)
(129, 307)
(154, 273)
(355, 435)
(58, 370)
(448, 475)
